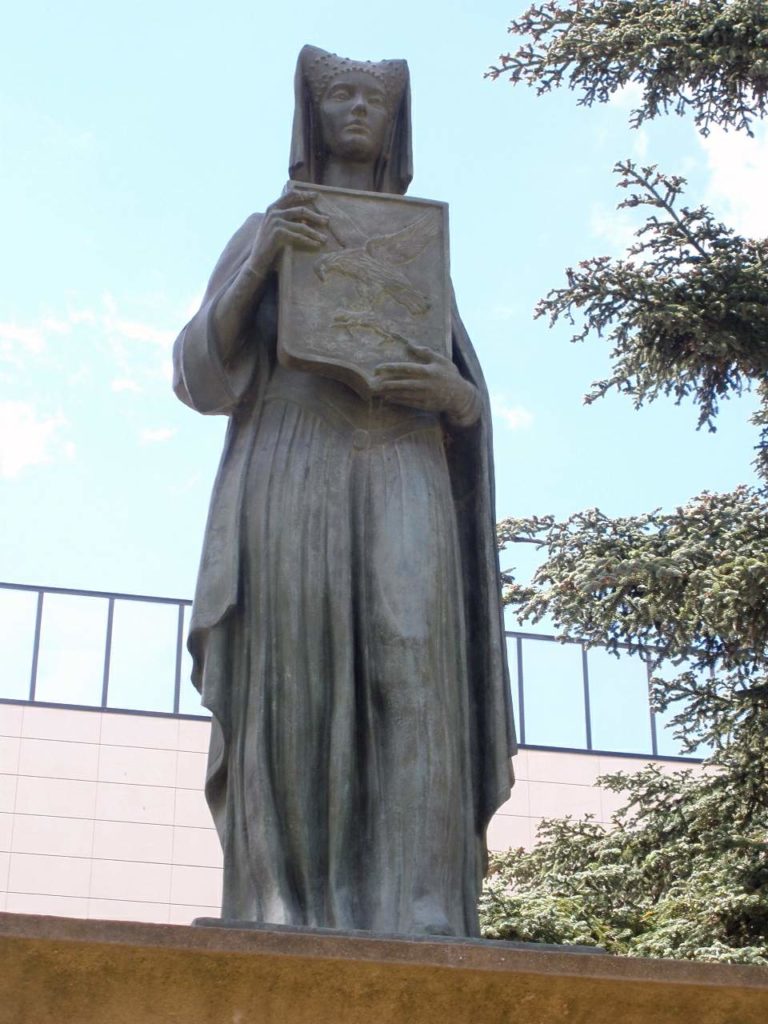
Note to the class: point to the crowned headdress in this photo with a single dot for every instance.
(315, 71)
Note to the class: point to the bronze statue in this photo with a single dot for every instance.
(346, 632)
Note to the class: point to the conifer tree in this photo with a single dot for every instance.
(682, 871)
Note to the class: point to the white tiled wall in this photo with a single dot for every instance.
(552, 785)
(102, 814)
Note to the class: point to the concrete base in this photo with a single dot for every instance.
(537, 947)
(101, 972)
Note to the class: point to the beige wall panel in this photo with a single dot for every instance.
(57, 759)
(7, 793)
(5, 862)
(121, 840)
(535, 822)
(191, 809)
(11, 717)
(62, 837)
(130, 880)
(128, 910)
(194, 885)
(553, 800)
(519, 802)
(190, 770)
(151, 804)
(55, 723)
(607, 764)
(197, 846)
(569, 769)
(507, 831)
(140, 731)
(49, 876)
(520, 764)
(138, 767)
(180, 913)
(56, 906)
(6, 828)
(194, 735)
(673, 767)
(9, 754)
(64, 798)
(610, 803)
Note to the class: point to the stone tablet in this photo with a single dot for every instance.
(379, 286)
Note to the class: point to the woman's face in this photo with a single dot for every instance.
(354, 117)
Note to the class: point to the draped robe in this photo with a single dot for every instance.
(362, 726)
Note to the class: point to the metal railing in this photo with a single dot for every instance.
(517, 666)
(521, 645)
(111, 598)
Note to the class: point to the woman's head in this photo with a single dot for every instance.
(358, 111)
(354, 117)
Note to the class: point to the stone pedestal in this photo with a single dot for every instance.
(103, 972)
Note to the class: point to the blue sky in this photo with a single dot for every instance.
(136, 138)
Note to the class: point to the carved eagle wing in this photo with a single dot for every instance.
(405, 245)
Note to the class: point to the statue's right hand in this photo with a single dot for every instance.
(291, 220)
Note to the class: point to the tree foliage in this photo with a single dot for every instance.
(684, 590)
(686, 310)
(709, 57)
(682, 870)
(670, 877)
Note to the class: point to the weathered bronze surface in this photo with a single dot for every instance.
(379, 284)
(347, 633)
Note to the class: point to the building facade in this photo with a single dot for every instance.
(102, 812)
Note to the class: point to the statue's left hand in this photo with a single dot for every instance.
(430, 383)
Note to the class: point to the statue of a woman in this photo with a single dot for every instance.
(346, 632)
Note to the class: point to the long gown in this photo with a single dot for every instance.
(345, 774)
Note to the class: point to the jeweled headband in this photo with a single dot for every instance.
(322, 67)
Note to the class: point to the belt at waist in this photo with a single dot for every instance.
(347, 413)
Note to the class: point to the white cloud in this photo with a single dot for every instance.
(124, 337)
(125, 384)
(135, 330)
(738, 169)
(640, 144)
(616, 227)
(193, 305)
(56, 326)
(81, 375)
(29, 338)
(104, 345)
(25, 438)
(125, 329)
(81, 316)
(151, 435)
(628, 97)
(503, 311)
(514, 417)
(190, 484)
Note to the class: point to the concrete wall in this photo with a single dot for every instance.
(90, 972)
(102, 814)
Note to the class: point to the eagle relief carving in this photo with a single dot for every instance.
(379, 287)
